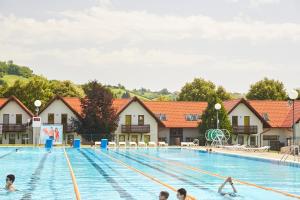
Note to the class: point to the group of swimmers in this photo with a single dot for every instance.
(182, 194)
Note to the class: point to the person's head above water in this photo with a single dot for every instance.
(164, 195)
(10, 179)
(181, 194)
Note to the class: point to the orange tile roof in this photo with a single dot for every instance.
(2, 101)
(230, 104)
(279, 112)
(75, 104)
(175, 112)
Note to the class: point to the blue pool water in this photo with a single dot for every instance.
(140, 174)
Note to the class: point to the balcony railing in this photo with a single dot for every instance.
(135, 128)
(13, 127)
(244, 129)
(68, 128)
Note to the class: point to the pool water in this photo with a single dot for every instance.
(141, 174)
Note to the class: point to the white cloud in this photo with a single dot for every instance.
(102, 37)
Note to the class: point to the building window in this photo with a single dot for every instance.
(5, 118)
(253, 140)
(235, 121)
(51, 118)
(121, 138)
(271, 137)
(161, 117)
(141, 120)
(18, 118)
(192, 117)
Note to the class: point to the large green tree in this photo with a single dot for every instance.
(200, 90)
(209, 118)
(99, 118)
(65, 88)
(267, 89)
(28, 91)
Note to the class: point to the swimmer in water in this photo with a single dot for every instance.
(10, 179)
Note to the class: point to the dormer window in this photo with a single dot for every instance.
(266, 116)
(192, 117)
(162, 117)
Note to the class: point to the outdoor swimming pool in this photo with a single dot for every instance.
(141, 174)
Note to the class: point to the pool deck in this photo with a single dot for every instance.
(264, 155)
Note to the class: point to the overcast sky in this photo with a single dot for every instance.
(155, 43)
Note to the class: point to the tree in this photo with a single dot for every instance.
(222, 94)
(209, 118)
(99, 119)
(200, 90)
(65, 88)
(28, 91)
(267, 89)
(125, 95)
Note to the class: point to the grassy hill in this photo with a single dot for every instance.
(11, 79)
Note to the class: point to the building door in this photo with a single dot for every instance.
(241, 139)
(70, 139)
(141, 120)
(247, 124)
(176, 136)
(128, 120)
(134, 138)
(25, 138)
(64, 121)
(12, 138)
(146, 139)
(253, 140)
(0, 138)
(19, 119)
(235, 121)
(5, 118)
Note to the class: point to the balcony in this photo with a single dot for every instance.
(13, 127)
(135, 128)
(68, 128)
(244, 129)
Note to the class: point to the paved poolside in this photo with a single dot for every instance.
(264, 155)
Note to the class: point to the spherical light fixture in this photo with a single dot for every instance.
(217, 106)
(37, 103)
(293, 94)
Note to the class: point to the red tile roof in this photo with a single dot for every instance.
(279, 112)
(176, 111)
(2, 101)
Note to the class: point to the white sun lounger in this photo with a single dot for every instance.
(132, 144)
(191, 144)
(151, 144)
(111, 144)
(122, 144)
(162, 144)
(141, 144)
(184, 144)
(97, 143)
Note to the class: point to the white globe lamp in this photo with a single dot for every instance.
(37, 103)
(293, 94)
(217, 106)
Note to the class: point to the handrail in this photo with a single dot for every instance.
(76, 190)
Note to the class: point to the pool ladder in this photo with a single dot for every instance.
(288, 153)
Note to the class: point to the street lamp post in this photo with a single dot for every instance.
(293, 94)
(217, 107)
(36, 129)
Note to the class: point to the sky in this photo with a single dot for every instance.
(155, 43)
